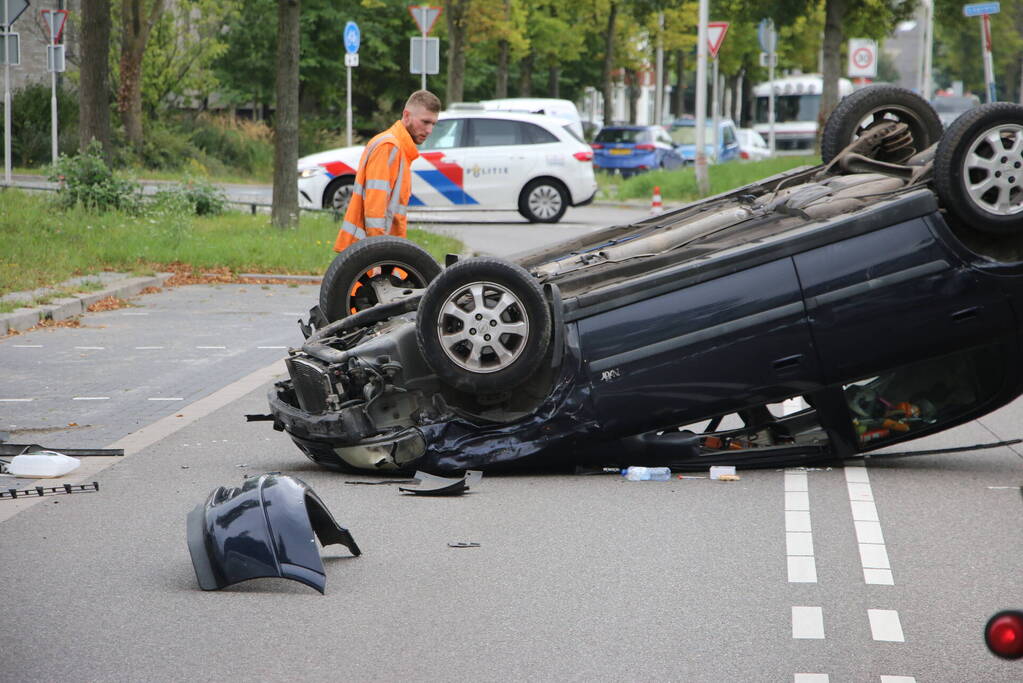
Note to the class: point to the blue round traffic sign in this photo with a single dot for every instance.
(352, 37)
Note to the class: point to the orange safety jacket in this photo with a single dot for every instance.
(383, 185)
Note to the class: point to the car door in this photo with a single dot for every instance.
(715, 347)
(499, 160)
(437, 175)
(893, 296)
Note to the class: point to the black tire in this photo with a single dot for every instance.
(383, 260)
(471, 358)
(543, 200)
(987, 196)
(879, 102)
(339, 193)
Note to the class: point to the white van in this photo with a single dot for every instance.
(797, 102)
(564, 110)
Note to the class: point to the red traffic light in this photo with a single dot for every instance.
(1004, 634)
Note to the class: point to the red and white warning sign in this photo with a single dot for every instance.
(716, 31)
(862, 58)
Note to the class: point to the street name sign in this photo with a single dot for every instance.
(981, 8)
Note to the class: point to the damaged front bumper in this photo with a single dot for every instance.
(263, 529)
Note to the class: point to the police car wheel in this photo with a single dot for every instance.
(374, 270)
(338, 194)
(543, 201)
(483, 325)
(876, 104)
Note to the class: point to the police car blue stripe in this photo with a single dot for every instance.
(444, 185)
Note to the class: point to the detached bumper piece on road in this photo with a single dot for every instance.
(263, 529)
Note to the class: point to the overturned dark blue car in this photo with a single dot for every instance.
(816, 315)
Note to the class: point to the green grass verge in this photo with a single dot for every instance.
(44, 245)
(680, 184)
(146, 174)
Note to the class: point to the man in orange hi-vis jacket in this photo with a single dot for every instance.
(383, 181)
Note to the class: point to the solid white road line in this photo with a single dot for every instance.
(885, 625)
(802, 567)
(808, 623)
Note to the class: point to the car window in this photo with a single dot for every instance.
(495, 132)
(446, 134)
(533, 134)
(568, 128)
(914, 397)
(729, 135)
(626, 135)
(662, 136)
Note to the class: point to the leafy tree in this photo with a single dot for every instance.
(958, 54)
(137, 19)
(284, 213)
(94, 86)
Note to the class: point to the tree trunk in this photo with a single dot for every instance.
(526, 76)
(834, 18)
(680, 84)
(553, 80)
(135, 29)
(284, 213)
(609, 60)
(632, 81)
(456, 11)
(501, 81)
(94, 88)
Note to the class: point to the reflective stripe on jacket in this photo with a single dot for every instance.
(383, 185)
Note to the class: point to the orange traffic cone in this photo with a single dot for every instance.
(655, 205)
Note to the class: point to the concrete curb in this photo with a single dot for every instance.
(118, 285)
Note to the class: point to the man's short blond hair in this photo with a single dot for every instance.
(425, 99)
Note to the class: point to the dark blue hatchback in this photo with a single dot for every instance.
(632, 149)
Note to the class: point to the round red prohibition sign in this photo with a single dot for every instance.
(863, 57)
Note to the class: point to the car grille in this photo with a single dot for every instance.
(311, 384)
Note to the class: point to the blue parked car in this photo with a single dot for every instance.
(632, 149)
(683, 135)
(826, 311)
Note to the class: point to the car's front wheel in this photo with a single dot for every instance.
(978, 168)
(483, 325)
(543, 201)
(374, 270)
(338, 194)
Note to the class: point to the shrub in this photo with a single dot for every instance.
(31, 137)
(242, 146)
(87, 181)
(196, 196)
(166, 148)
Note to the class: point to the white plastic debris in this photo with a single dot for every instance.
(42, 465)
(717, 471)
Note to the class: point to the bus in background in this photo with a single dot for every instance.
(797, 102)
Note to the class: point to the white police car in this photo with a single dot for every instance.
(474, 160)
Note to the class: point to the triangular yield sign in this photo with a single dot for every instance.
(425, 16)
(716, 31)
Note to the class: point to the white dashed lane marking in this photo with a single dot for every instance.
(271, 347)
(27, 346)
(16, 400)
(91, 398)
(808, 622)
(798, 534)
(877, 568)
(897, 679)
(165, 398)
(885, 625)
(91, 348)
(811, 678)
(212, 347)
(148, 348)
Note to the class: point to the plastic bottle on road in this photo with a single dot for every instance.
(647, 473)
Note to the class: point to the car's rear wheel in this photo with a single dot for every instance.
(483, 325)
(338, 194)
(543, 201)
(872, 106)
(978, 168)
(374, 270)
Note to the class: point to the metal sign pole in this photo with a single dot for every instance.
(7, 92)
(715, 107)
(770, 79)
(702, 180)
(348, 126)
(53, 87)
(422, 11)
(989, 71)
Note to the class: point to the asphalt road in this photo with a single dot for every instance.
(576, 577)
